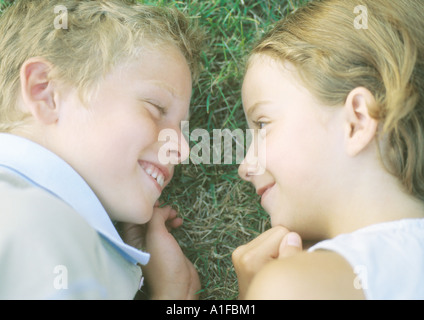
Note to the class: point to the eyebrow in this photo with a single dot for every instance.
(165, 86)
(256, 105)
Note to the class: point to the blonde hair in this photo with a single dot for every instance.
(97, 36)
(334, 57)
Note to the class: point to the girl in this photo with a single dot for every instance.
(342, 113)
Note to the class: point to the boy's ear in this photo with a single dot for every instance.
(361, 128)
(37, 90)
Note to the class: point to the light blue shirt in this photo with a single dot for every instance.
(46, 170)
(50, 220)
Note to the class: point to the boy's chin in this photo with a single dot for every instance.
(141, 215)
(145, 217)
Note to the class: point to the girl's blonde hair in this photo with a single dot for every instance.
(84, 40)
(385, 55)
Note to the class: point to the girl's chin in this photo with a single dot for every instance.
(276, 220)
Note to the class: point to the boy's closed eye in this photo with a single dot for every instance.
(155, 108)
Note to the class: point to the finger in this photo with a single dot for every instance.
(259, 251)
(158, 203)
(160, 216)
(165, 217)
(275, 232)
(268, 243)
(172, 214)
(174, 223)
(291, 245)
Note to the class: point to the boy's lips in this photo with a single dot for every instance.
(159, 174)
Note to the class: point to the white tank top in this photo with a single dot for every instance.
(388, 258)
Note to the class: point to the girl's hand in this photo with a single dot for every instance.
(275, 243)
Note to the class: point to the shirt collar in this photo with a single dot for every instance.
(46, 170)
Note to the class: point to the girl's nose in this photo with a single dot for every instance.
(250, 165)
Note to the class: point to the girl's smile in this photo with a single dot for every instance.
(300, 141)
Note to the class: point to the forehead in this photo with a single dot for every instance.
(267, 75)
(264, 78)
(165, 58)
(276, 87)
(163, 67)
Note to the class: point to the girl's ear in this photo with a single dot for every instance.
(361, 128)
(37, 90)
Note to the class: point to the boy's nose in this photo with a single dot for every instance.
(175, 148)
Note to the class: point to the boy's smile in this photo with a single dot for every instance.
(159, 173)
(112, 141)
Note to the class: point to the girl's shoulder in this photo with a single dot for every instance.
(306, 276)
(383, 261)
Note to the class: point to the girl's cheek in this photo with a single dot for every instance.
(266, 149)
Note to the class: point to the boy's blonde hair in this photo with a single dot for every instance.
(385, 55)
(84, 40)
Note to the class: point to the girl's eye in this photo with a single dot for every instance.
(260, 124)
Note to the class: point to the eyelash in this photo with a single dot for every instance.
(258, 124)
(161, 109)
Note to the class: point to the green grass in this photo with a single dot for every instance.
(4, 4)
(221, 212)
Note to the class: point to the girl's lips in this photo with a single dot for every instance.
(263, 192)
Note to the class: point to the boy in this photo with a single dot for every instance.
(86, 88)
